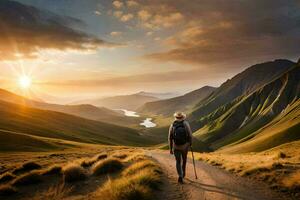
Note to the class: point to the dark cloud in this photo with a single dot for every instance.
(25, 30)
(217, 30)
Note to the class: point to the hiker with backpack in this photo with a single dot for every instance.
(180, 139)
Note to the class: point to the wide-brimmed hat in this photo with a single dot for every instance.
(179, 115)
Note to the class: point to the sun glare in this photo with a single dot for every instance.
(25, 82)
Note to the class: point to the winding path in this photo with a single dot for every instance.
(212, 183)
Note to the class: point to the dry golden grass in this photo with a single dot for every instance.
(52, 170)
(131, 187)
(6, 190)
(106, 166)
(120, 156)
(135, 167)
(137, 181)
(73, 172)
(32, 177)
(279, 167)
(136, 157)
(91, 161)
(292, 181)
(7, 176)
(56, 192)
(26, 167)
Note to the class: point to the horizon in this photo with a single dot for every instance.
(107, 48)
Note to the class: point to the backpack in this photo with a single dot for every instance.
(180, 134)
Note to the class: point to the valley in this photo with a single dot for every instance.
(246, 126)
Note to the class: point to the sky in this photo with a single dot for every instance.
(82, 49)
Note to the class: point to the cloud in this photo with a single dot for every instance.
(144, 15)
(126, 17)
(116, 33)
(118, 4)
(25, 30)
(217, 30)
(118, 14)
(170, 77)
(97, 12)
(132, 3)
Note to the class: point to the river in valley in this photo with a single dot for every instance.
(146, 122)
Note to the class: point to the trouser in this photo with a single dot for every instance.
(181, 157)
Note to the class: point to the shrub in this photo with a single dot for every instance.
(52, 170)
(139, 166)
(73, 172)
(107, 166)
(7, 176)
(136, 158)
(6, 190)
(137, 186)
(281, 155)
(120, 156)
(29, 178)
(101, 156)
(28, 166)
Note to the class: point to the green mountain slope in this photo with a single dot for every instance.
(20, 118)
(239, 119)
(182, 103)
(283, 129)
(83, 110)
(243, 83)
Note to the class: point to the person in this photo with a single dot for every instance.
(180, 139)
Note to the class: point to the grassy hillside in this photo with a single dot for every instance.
(20, 142)
(242, 84)
(182, 103)
(83, 110)
(128, 102)
(243, 117)
(283, 129)
(20, 118)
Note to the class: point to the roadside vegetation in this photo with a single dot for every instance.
(113, 175)
(278, 167)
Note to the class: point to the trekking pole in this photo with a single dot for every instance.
(194, 163)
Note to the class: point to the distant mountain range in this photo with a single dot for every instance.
(165, 95)
(129, 102)
(181, 103)
(82, 110)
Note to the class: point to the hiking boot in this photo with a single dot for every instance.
(180, 180)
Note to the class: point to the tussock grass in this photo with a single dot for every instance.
(137, 186)
(136, 158)
(26, 167)
(6, 190)
(52, 170)
(89, 162)
(28, 178)
(292, 181)
(106, 166)
(56, 192)
(7, 176)
(101, 156)
(260, 169)
(120, 156)
(140, 166)
(281, 155)
(73, 172)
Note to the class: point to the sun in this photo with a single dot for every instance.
(25, 82)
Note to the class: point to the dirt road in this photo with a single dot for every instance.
(212, 183)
